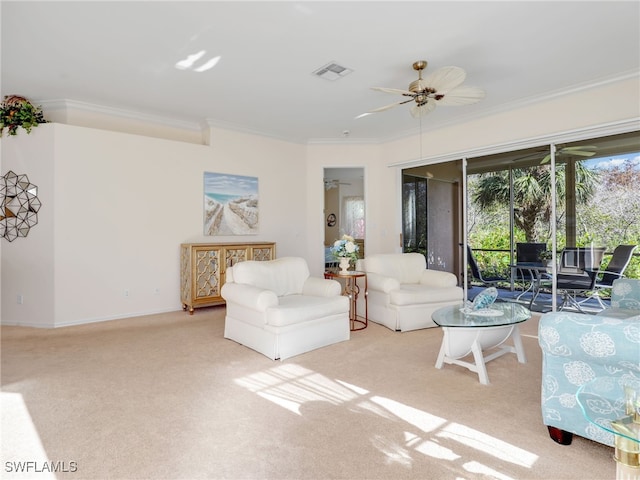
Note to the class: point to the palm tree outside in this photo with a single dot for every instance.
(596, 220)
(532, 195)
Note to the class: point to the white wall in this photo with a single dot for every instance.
(116, 206)
(28, 262)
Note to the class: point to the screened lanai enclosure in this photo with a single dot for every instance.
(552, 197)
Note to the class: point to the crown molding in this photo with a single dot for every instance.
(116, 112)
(212, 123)
(208, 123)
(344, 141)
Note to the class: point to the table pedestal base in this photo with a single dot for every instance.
(627, 456)
(352, 290)
(625, 472)
(458, 342)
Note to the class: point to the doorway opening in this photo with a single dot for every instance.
(344, 208)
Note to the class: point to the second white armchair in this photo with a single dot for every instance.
(403, 293)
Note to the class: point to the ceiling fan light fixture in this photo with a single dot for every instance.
(417, 86)
(420, 110)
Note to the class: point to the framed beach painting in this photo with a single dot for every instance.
(230, 204)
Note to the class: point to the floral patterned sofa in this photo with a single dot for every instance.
(625, 299)
(576, 348)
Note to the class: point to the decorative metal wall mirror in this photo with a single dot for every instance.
(19, 205)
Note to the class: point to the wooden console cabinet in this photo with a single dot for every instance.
(203, 266)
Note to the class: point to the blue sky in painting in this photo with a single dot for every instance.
(235, 185)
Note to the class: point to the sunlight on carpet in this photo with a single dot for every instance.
(488, 444)
(22, 452)
(290, 386)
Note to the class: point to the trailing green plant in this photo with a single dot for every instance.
(17, 111)
(545, 255)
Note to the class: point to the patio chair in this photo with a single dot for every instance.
(477, 275)
(615, 269)
(526, 270)
(529, 253)
(577, 273)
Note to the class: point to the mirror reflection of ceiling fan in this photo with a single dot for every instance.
(579, 150)
(442, 87)
(540, 155)
(329, 184)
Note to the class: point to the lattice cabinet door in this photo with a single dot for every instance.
(207, 270)
(203, 266)
(263, 252)
(233, 255)
(200, 275)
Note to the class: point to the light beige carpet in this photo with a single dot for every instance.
(167, 397)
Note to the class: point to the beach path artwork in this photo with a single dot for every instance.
(230, 204)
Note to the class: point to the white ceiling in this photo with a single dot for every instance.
(122, 55)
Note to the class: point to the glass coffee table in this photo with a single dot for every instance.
(475, 332)
(614, 408)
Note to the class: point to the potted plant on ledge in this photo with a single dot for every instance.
(17, 111)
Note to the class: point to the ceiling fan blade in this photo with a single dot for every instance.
(580, 153)
(581, 147)
(445, 79)
(390, 106)
(570, 151)
(462, 95)
(392, 90)
(421, 110)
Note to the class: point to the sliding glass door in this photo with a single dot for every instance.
(577, 194)
(430, 217)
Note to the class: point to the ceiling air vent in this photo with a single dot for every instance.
(332, 71)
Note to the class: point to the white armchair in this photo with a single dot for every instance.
(403, 293)
(277, 309)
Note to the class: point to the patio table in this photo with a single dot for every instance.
(536, 273)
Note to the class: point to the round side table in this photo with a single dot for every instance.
(352, 290)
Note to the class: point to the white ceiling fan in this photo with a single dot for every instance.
(332, 183)
(442, 87)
